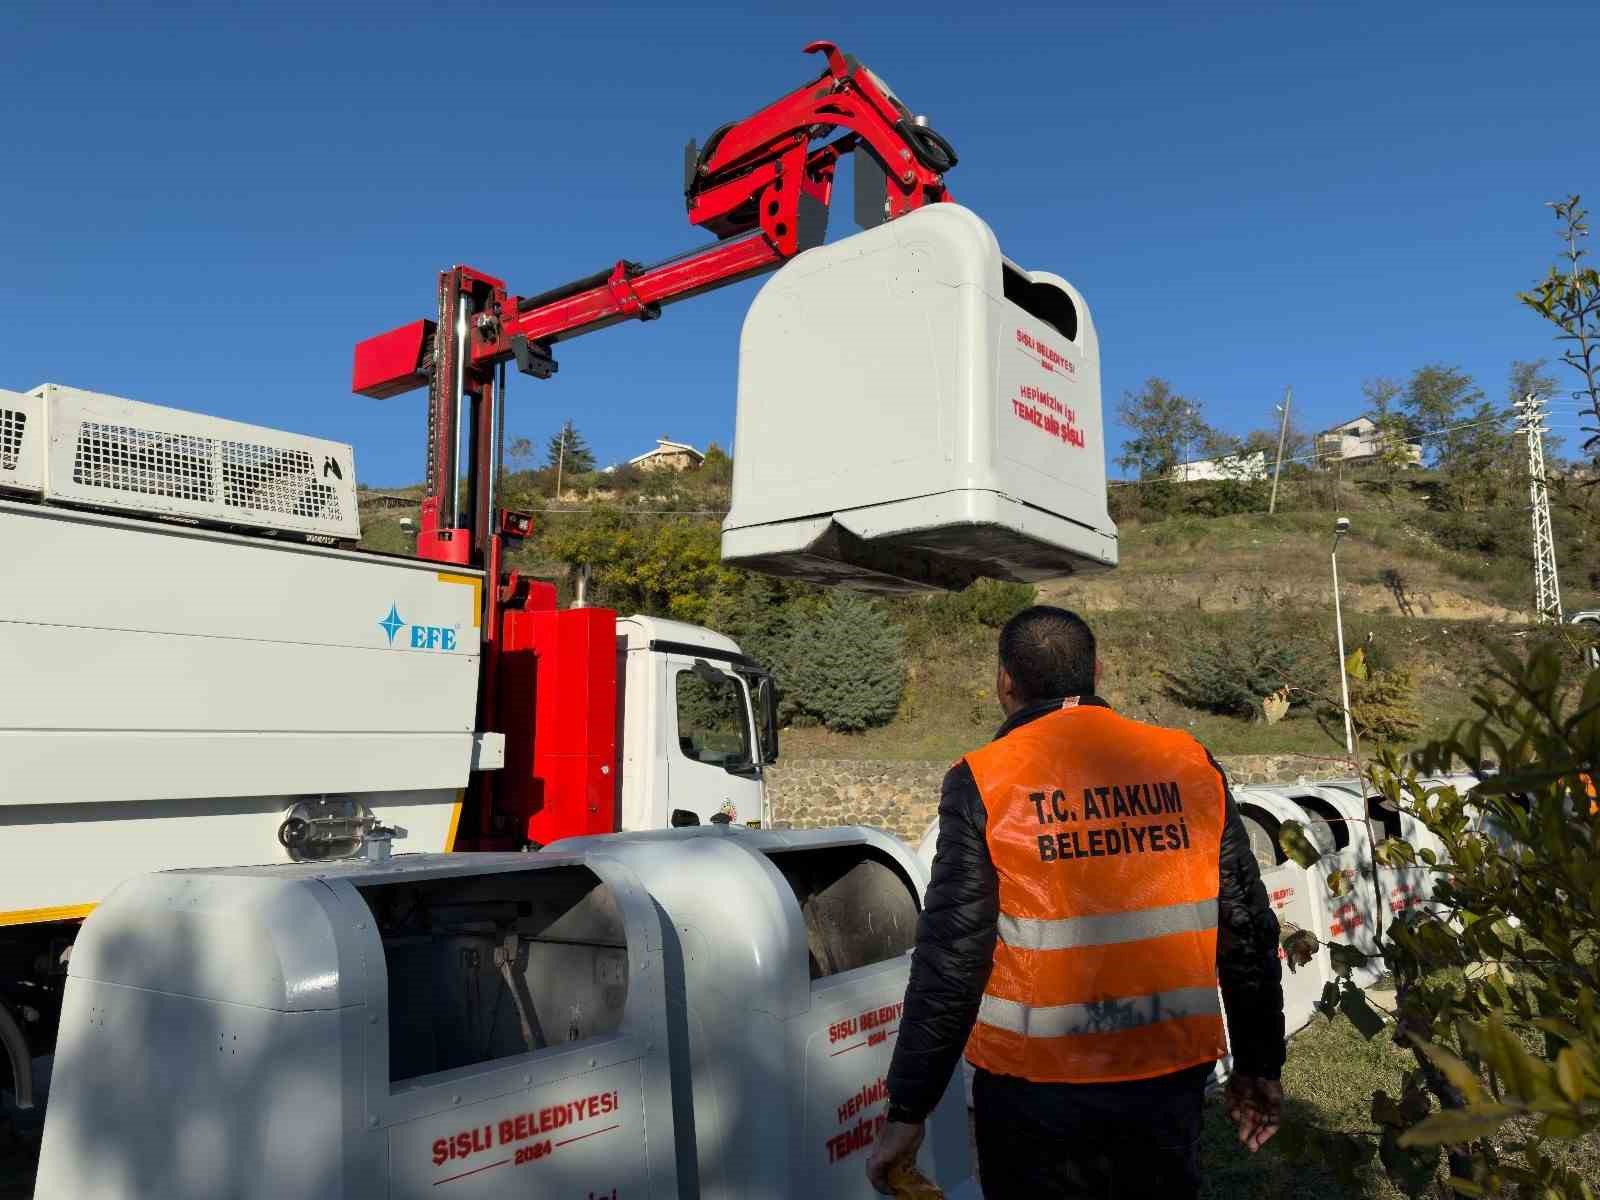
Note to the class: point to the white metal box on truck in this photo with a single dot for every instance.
(787, 960)
(94, 450)
(916, 412)
(22, 443)
(432, 1026)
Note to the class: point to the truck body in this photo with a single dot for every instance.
(194, 683)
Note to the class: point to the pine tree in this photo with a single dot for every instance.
(575, 458)
(845, 668)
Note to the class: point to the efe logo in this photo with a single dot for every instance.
(422, 637)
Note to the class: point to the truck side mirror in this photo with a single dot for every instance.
(766, 706)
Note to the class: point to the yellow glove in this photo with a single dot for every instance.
(911, 1184)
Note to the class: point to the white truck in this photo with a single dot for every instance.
(200, 672)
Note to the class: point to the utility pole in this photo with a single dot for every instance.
(1546, 586)
(561, 458)
(1340, 528)
(1283, 432)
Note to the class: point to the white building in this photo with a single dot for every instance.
(668, 455)
(1229, 466)
(1359, 440)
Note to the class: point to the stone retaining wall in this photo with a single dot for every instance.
(903, 797)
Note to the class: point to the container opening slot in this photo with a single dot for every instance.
(1384, 815)
(858, 905)
(1325, 816)
(486, 967)
(1042, 300)
(1263, 830)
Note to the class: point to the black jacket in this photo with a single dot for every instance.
(957, 931)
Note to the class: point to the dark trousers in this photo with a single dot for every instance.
(1104, 1141)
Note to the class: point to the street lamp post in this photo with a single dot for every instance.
(1340, 528)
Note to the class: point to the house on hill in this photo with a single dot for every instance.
(668, 456)
(1248, 467)
(1359, 440)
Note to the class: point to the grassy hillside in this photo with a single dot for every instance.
(1425, 588)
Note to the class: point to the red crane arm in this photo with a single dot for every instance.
(759, 185)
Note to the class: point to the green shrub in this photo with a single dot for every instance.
(840, 665)
(1231, 673)
(1384, 705)
(987, 602)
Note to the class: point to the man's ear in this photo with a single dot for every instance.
(1005, 689)
(1097, 672)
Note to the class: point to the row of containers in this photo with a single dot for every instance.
(1343, 819)
(704, 1012)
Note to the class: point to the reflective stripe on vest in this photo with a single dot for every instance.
(1109, 1016)
(1027, 933)
(1106, 837)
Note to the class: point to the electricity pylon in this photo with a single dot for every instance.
(1546, 586)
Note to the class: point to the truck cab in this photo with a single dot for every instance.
(697, 726)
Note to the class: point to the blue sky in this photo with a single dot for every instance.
(208, 208)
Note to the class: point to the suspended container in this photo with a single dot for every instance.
(916, 412)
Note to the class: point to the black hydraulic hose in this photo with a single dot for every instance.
(933, 149)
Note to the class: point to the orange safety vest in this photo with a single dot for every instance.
(1107, 838)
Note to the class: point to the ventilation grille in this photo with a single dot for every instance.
(177, 466)
(124, 459)
(144, 459)
(12, 426)
(267, 479)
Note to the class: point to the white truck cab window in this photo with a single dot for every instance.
(712, 725)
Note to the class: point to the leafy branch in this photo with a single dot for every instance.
(1569, 298)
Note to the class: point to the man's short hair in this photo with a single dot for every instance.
(1049, 653)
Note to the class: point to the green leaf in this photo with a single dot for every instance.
(1560, 1126)
(1453, 1126)
(1294, 843)
(1392, 852)
(1502, 1051)
(1570, 1074)
(1354, 1004)
(1463, 1077)
(1565, 1030)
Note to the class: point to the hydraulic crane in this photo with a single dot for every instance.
(762, 186)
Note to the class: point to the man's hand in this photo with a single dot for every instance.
(899, 1141)
(1255, 1106)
